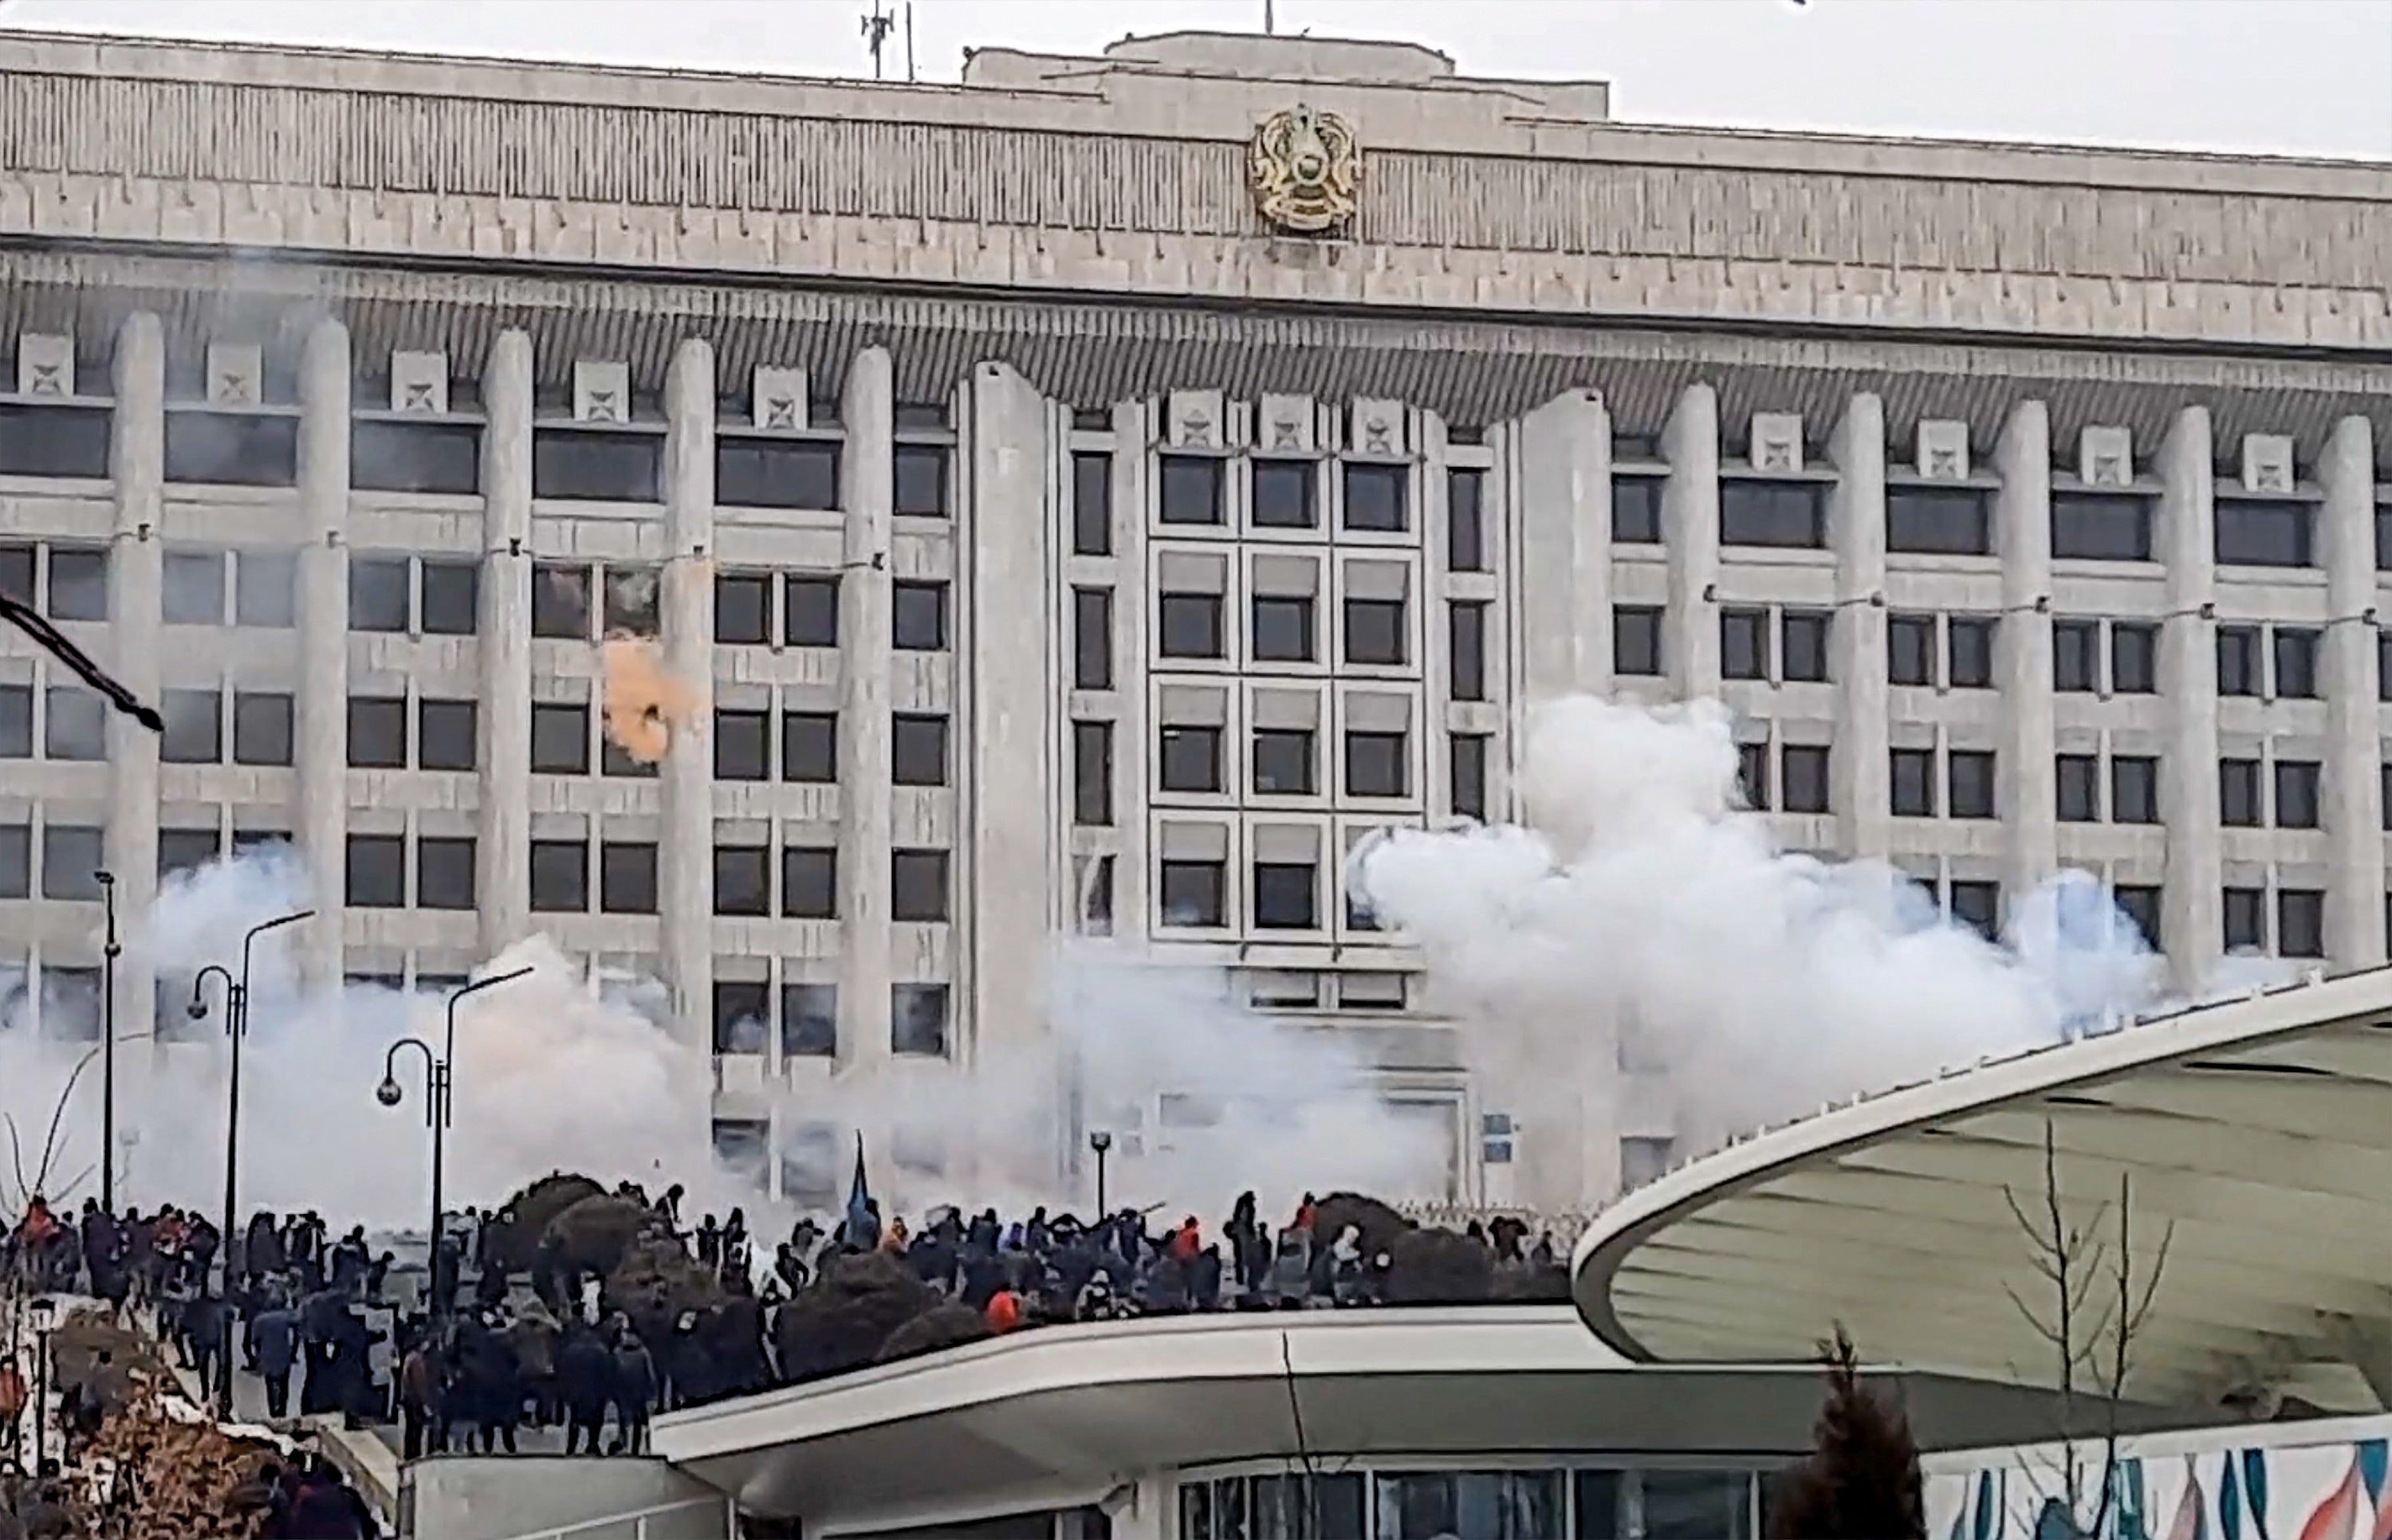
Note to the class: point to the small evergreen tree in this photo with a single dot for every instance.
(1862, 1479)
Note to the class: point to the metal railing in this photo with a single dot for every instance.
(636, 1524)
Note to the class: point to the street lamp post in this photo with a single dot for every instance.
(439, 1081)
(236, 991)
(1102, 1143)
(42, 1316)
(108, 953)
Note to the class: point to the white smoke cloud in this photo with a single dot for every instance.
(1754, 983)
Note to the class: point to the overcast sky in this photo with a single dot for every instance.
(2303, 77)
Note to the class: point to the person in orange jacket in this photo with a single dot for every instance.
(1004, 1311)
(1187, 1240)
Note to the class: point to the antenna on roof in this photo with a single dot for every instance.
(1270, 17)
(876, 28)
(911, 75)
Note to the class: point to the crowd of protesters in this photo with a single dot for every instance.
(489, 1341)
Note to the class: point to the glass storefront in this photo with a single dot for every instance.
(1571, 1502)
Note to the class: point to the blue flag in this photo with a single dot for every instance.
(862, 1230)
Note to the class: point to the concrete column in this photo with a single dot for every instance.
(2022, 652)
(323, 708)
(502, 855)
(1562, 545)
(1861, 765)
(2190, 918)
(1133, 876)
(2354, 785)
(867, 494)
(685, 861)
(137, 454)
(1008, 895)
(1690, 525)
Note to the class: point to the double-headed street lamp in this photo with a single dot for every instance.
(108, 953)
(439, 1081)
(236, 991)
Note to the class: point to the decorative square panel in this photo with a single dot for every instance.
(45, 364)
(419, 382)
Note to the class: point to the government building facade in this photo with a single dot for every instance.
(1094, 496)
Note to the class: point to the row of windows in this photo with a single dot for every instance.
(1284, 493)
(1283, 629)
(1194, 895)
(1284, 763)
(745, 1018)
(1476, 1505)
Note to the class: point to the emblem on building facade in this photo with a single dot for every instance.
(1305, 170)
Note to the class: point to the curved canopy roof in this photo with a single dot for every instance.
(2252, 1143)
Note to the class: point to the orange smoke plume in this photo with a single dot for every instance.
(646, 704)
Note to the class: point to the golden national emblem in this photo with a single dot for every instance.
(1305, 171)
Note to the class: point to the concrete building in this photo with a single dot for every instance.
(1097, 494)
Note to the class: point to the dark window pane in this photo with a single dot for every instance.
(260, 729)
(70, 861)
(378, 593)
(560, 876)
(1802, 778)
(232, 448)
(1468, 639)
(1977, 905)
(17, 563)
(921, 479)
(415, 457)
(917, 1020)
(1970, 774)
(773, 472)
(1910, 649)
(1635, 639)
(743, 745)
(560, 602)
(1636, 510)
(1466, 531)
(809, 1020)
(1377, 765)
(1283, 494)
(2078, 783)
(1092, 774)
(78, 582)
(2142, 906)
(1092, 639)
(2075, 655)
(377, 872)
(1376, 497)
(560, 739)
(192, 589)
(2134, 659)
(626, 878)
(446, 734)
(2296, 662)
(2238, 792)
(808, 745)
(1969, 643)
(1802, 651)
(2297, 794)
(2253, 532)
(1773, 513)
(2300, 921)
(1190, 624)
(1283, 628)
(743, 608)
(810, 611)
(77, 725)
(179, 851)
(2244, 912)
(918, 750)
(743, 880)
(632, 601)
(1944, 521)
(1469, 755)
(1193, 892)
(1914, 782)
(741, 1016)
(15, 721)
(452, 598)
(1192, 490)
(194, 732)
(2134, 789)
(808, 882)
(1744, 644)
(921, 617)
(377, 733)
(918, 885)
(1287, 896)
(444, 872)
(1374, 631)
(1752, 773)
(2102, 526)
(265, 589)
(2238, 660)
(601, 467)
(54, 441)
(1283, 762)
(1092, 505)
(1190, 760)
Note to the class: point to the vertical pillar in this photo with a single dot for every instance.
(1861, 763)
(1132, 878)
(2022, 651)
(138, 455)
(503, 860)
(867, 494)
(686, 861)
(1003, 820)
(2354, 785)
(2190, 922)
(1563, 545)
(1690, 509)
(324, 644)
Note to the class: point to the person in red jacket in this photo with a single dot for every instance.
(1004, 1311)
(1187, 1240)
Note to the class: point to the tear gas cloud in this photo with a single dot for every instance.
(1643, 920)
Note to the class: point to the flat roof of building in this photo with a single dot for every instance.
(2251, 1142)
(1061, 1415)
